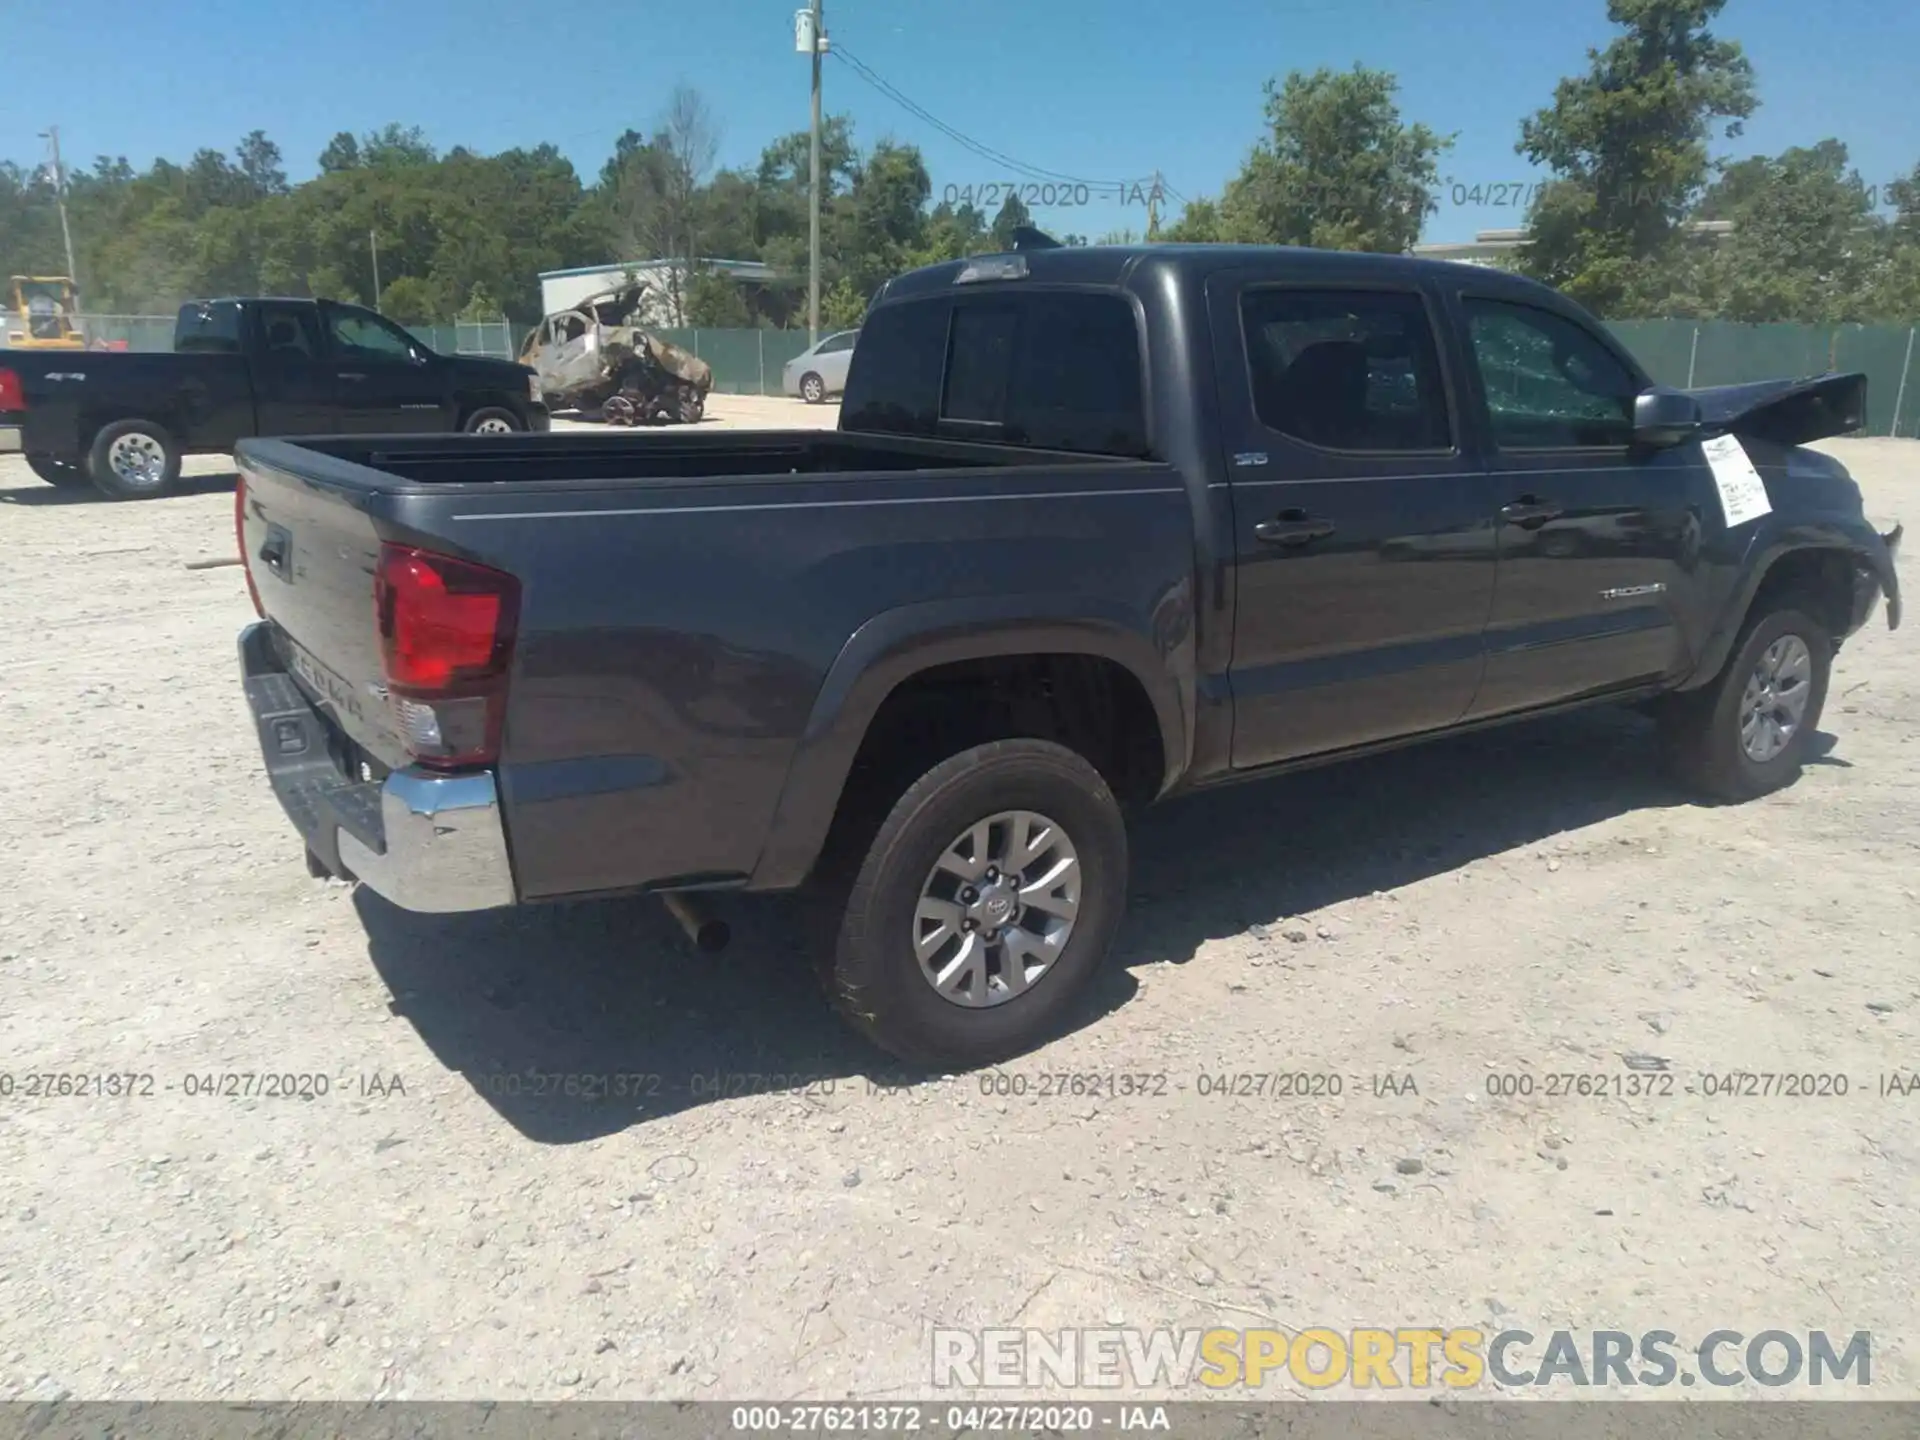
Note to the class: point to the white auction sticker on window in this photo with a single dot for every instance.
(1743, 494)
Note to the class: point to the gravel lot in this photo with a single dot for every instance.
(1532, 900)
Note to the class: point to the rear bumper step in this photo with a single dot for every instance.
(425, 841)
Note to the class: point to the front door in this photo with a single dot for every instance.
(1595, 533)
(1363, 535)
(385, 382)
(293, 379)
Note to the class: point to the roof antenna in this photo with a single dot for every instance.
(1025, 237)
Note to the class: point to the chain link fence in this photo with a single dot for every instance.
(496, 338)
(1685, 353)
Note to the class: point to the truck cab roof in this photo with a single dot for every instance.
(1118, 266)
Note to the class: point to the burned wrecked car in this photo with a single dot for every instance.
(594, 358)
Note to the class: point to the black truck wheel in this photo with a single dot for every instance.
(1747, 732)
(493, 420)
(982, 907)
(67, 474)
(133, 460)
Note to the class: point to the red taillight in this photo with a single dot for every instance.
(12, 397)
(446, 639)
(442, 620)
(240, 539)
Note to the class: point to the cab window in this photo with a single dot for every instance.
(1549, 383)
(367, 336)
(1346, 370)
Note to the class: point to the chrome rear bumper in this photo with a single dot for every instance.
(425, 841)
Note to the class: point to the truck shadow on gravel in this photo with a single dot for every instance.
(39, 493)
(580, 1021)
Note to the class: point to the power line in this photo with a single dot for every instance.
(984, 151)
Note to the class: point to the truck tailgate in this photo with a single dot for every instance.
(311, 554)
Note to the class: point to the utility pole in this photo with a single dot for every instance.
(373, 244)
(52, 136)
(1153, 208)
(813, 189)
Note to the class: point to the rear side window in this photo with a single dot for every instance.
(1057, 371)
(208, 329)
(1346, 370)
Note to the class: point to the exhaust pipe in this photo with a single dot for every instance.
(707, 932)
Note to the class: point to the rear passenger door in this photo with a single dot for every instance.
(1595, 535)
(1363, 534)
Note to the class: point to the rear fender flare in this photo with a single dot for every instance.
(898, 644)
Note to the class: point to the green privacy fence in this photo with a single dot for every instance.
(1687, 353)
(745, 362)
(1676, 352)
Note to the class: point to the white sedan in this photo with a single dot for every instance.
(821, 369)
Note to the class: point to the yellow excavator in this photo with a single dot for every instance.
(44, 314)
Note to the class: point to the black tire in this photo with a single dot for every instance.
(812, 388)
(691, 404)
(492, 415)
(67, 474)
(873, 975)
(135, 437)
(1702, 729)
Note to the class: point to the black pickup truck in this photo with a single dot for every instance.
(241, 368)
(1099, 525)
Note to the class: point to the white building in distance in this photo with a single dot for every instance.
(1490, 247)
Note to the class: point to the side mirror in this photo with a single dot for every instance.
(1664, 417)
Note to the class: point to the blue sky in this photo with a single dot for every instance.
(1106, 91)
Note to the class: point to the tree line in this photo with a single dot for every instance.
(1635, 219)
(1618, 223)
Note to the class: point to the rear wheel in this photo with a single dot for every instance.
(133, 460)
(67, 474)
(812, 388)
(692, 404)
(494, 420)
(982, 907)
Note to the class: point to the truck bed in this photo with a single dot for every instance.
(409, 463)
(686, 602)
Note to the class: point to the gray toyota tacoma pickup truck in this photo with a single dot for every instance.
(1098, 526)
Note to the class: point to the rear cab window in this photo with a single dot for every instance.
(1050, 369)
